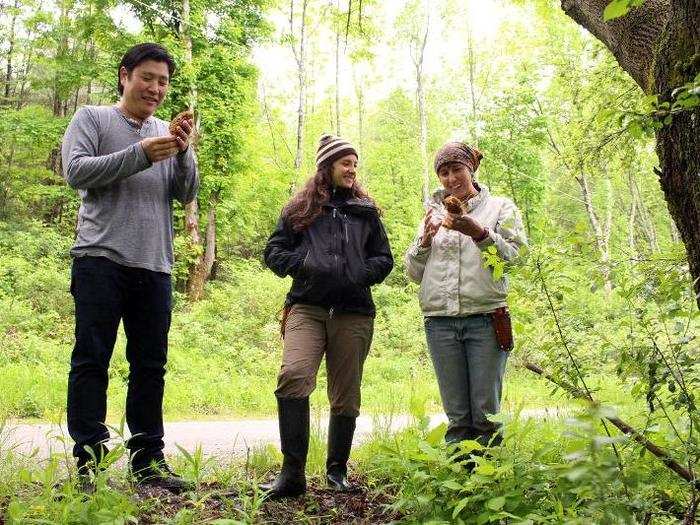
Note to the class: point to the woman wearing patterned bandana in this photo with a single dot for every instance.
(331, 241)
(466, 319)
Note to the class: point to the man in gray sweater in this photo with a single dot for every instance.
(128, 167)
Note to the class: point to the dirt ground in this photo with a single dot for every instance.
(318, 506)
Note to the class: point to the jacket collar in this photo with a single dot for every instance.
(472, 203)
(344, 199)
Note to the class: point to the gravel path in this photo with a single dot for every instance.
(220, 438)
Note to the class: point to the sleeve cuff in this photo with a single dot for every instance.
(145, 161)
(422, 250)
(486, 241)
(184, 158)
(299, 257)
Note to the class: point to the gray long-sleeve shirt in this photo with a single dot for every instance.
(126, 209)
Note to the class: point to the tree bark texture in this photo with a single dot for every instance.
(200, 270)
(658, 44)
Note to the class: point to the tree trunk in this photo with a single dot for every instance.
(337, 71)
(631, 223)
(642, 211)
(358, 80)
(301, 76)
(658, 44)
(472, 88)
(10, 53)
(678, 144)
(422, 115)
(600, 233)
(200, 269)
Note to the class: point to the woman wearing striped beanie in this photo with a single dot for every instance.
(332, 243)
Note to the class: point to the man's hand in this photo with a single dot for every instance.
(160, 148)
(183, 132)
(430, 228)
(463, 224)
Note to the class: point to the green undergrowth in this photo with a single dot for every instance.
(560, 469)
(225, 351)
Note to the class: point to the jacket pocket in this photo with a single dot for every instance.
(355, 272)
(316, 266)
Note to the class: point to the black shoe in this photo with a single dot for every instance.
(340, 432)
(159, 474)
(89, 467)
(85, 483)
(294, 437)
(90, 463)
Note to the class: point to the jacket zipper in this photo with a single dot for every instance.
(345, 225)
(335, 255)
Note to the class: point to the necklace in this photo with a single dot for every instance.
(132, 121)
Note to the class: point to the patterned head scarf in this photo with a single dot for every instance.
(458, 152)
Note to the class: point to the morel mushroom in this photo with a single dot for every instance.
(177, 121)
(453, 205)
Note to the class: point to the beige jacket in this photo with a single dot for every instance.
(451, 273)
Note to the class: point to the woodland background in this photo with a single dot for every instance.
(603, 305)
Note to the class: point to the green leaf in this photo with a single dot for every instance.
(460, 506)
(616, 9)
(452, 485)
(496, 503)
(486, 469)
(437, 434)
(635, 129)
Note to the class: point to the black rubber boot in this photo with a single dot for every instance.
(293, 414)
(340, 432)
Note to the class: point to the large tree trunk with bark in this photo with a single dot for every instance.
(658, 44)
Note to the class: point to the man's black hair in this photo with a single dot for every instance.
(141, 52)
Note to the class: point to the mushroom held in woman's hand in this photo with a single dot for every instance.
(453, 205)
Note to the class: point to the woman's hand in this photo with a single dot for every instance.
(463, 224)
(430, 228)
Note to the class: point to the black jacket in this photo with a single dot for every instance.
(336, 259)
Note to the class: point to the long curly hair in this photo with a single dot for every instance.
(307, 204)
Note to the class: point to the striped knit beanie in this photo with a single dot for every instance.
(331, 148)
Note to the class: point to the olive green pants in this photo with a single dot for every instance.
(310, 332)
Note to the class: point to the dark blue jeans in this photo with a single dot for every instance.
(106, 293)
(469, 368)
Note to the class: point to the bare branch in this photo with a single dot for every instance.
(660, 453)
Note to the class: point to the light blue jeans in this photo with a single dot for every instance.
(469, 368)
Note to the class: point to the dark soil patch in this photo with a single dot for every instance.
(321, 505)
(318, 506)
